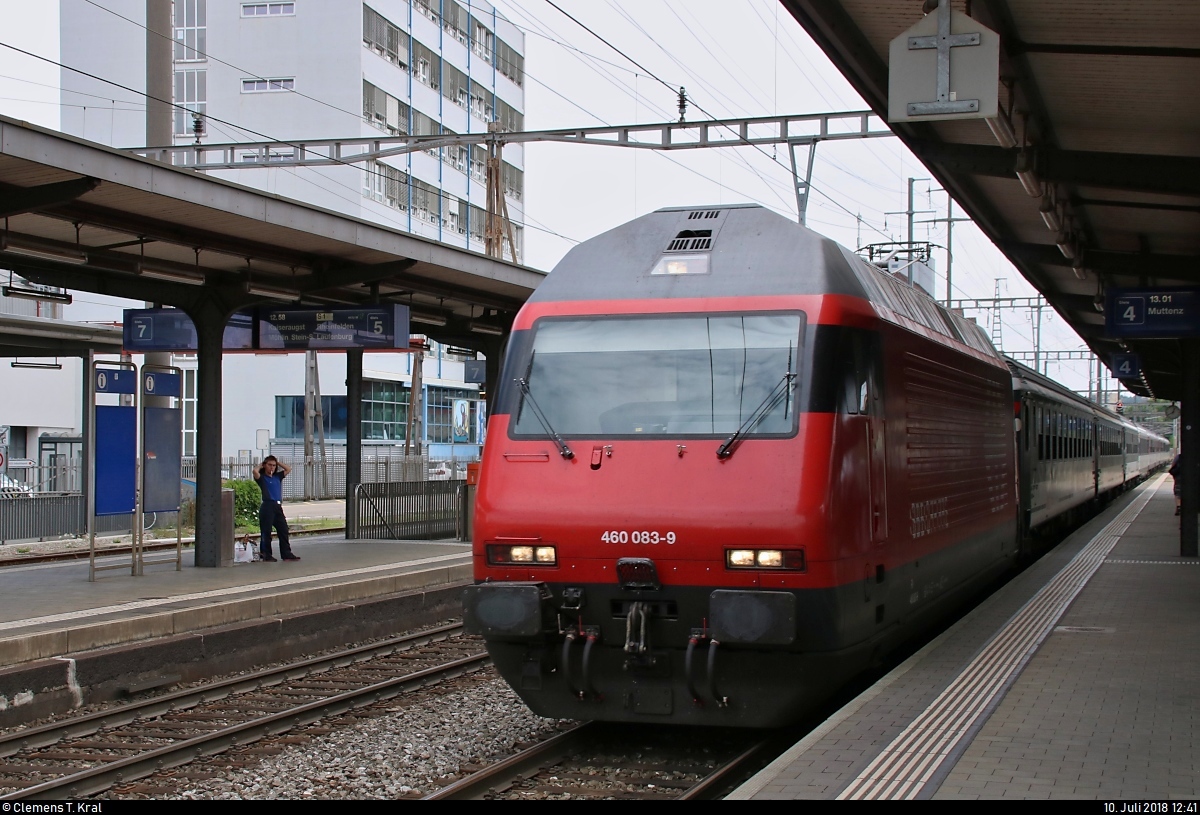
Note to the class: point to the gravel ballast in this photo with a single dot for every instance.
(400, 754)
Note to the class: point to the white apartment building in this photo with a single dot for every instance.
(314, 69)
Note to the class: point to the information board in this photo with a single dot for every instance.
(274, 329)
(309, 329)
(161, 383)
(116, 457)
(170, 329)
(116, 380)
(1152, 313)
(162, 443)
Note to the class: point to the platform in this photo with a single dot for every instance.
(1080, 679)
(66, 641)
(48, 610)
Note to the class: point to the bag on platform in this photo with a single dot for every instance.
(243, 551)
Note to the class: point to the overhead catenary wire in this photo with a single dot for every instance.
(585, 27)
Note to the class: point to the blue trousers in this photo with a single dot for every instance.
(270, 514)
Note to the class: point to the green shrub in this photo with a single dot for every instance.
(187, 513)
(246, 500)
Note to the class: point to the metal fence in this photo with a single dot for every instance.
(41, 516)
(422, 506)
(48, 516)
(317, 481)
(412, 510)
(60, 477)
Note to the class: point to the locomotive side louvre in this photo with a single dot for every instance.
(725, 471)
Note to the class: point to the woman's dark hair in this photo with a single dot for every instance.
(270, 458)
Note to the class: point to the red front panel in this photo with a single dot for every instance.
(769, 494)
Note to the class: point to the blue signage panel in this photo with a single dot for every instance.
(161, 383)
(475, 370)
(1126, 366)
(116, 458)
(162, 445)
(170, 329)
(116, 380)
(1152, 313)
(305, 329)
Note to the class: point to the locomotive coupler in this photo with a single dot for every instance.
(572, 599)
(637, 635)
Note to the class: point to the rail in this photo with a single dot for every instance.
(662, 766)
(30, 745)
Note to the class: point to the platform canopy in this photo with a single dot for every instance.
(22, 336)
(91, 218)
(1090, 179)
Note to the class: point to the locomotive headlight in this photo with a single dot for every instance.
(499, 554)
(770, 558)
(739, 558)
(782, 559)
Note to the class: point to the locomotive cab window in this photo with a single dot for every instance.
(663, 376)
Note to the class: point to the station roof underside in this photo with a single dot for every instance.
(1107, 97)
(22, 336)
(90, 218)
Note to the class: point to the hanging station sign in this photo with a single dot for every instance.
(383, 327)
(316, 329)
(170, 329)
(1152, 312)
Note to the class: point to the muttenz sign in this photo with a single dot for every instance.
(312, 329)
(1152, 313)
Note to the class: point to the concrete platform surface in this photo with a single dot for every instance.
(50, 610)
(1080, 679)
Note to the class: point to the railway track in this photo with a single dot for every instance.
(86, 755)
(113, 551)
(604, 761)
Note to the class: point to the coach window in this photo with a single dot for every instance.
(1041, 433)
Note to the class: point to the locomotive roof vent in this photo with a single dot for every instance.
(707, 213)
(691, 240)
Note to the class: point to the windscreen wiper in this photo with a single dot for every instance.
(768, 404)
(563, 450)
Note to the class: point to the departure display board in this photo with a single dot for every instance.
(1153, 313)
(170, 329)
(313, 329)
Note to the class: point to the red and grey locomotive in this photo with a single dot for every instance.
(730, 464)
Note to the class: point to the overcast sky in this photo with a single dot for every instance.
(736, 58)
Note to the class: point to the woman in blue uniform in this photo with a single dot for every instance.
(270, 475)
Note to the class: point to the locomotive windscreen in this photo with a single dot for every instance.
(663, 375)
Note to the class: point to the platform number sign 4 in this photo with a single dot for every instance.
(1126, 366)
(1131, 310)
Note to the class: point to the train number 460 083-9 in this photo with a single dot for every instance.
(636, 536)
